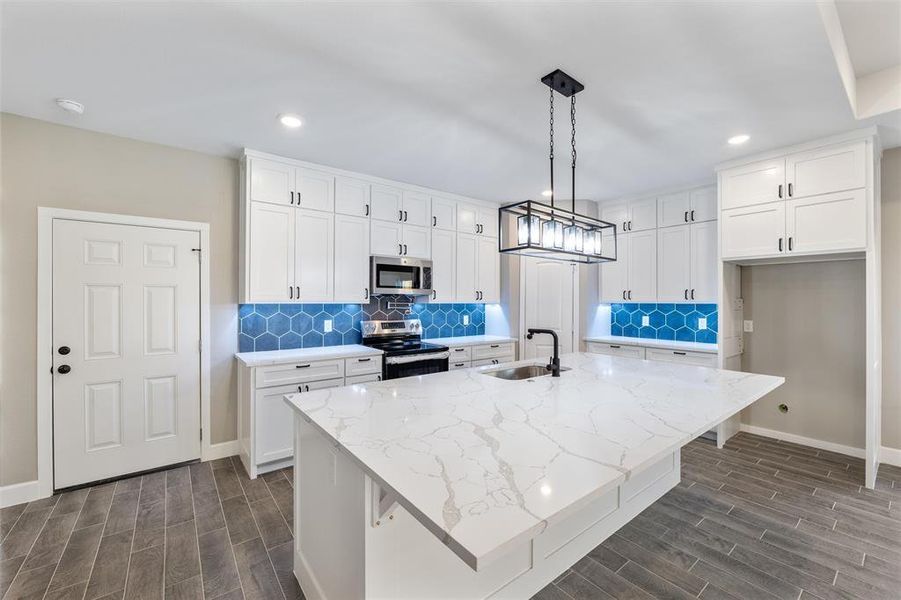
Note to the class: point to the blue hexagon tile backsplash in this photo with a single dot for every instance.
(665, 321)
(287, 326)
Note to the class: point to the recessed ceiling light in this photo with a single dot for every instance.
(70, 106)
(736, 140)
(547, 193)
(290, 121)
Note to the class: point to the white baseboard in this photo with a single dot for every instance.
(18, 493)
(890, 456)
(806, 441)
(222, 450)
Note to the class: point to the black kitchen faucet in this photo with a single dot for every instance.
(554, 365)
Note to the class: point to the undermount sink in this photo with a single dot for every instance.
(522, 372)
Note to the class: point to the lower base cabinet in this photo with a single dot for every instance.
(265, 422)
(698, 359)
(464, 357)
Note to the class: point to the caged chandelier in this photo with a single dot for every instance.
(543, 230)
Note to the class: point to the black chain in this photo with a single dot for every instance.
(572, 116)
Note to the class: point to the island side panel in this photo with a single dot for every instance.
(329, 519)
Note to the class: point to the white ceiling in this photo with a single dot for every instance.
(438, 94)
(872, 30)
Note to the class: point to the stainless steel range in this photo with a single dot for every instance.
(405, 352)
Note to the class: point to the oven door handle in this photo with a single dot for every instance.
(408, 358)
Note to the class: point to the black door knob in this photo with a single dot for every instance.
(64, 350)
(63, 369)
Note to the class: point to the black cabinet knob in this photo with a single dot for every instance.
(63, 369)
(64, 350)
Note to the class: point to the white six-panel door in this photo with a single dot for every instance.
(126, 393)
(548, 305)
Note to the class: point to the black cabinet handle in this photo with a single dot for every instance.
(364, 359)
(630, 294)
(306, 387)
(63, 369)
(692, 293)
(692, 215)
(790, 243)
(400, 215)
(686, 216)
(780, 244)
(301, 366)
(458, 364)
(434, 221)
(405, 216)
(290, 292)
(292, 197)
(365, 292)
(630, 225)
(298, 292)
(624, 294)
(405, 249)
(685, 294)
(459, 349)
(790, 190)
(366, 212)
(679, 353)
(780, 190)
(300, 389)
(400, 249)
(615, 346)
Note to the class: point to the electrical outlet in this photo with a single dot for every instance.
(748, 326)
(327, 326)
(645, 321)
(702, 323)
(465, 319)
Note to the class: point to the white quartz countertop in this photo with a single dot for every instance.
(277, 357)
(485, 463)
(649, 343)
(471, 340)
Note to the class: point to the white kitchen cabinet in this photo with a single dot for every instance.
(417, 209)
(273, 427)
(467, 273)
(704, 261)
(755, 183)
(477, 220)
(314, 260)
(417, 241)
(270, 181)
(488, 266)
(610, 349)
(827, 223)
(487, 221)
(371, 378)
(467, 218)
(698, 359)
(614, 279)
(825, 170)
(351, 259)
(444, 265)
(642, 262)
(703, 204)
(270, 249)
(635, 215)
(351, 197)
(686, 263)
(385, 238)
(459, 364)
(386, 203)
(673, 209)
(362, 365)
(315, 190)
(674, 263)
(753, 231)
(444, 213)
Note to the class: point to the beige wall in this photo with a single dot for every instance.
(891, 298)
(808, 327)
(50, 165)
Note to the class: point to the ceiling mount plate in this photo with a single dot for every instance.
(562, 83)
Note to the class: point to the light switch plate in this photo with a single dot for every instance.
(748, 326)
(327, 326)
(645, 321)
(702, 323)
(466, 319)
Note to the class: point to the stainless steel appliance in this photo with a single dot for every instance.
(400, 275)
(405, 352)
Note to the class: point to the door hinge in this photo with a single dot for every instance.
(199, 252)
(201, 434)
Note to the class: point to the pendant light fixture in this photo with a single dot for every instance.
(537, 229)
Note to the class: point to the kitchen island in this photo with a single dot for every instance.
(465, 485)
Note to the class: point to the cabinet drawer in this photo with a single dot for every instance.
(699, 359)
(363, 378)
(363, 365)
(616, 349)
(491, 351)
(299, 372)
(493, 361)
(460, 353)
(453, 365)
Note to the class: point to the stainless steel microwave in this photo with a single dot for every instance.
(400, 275)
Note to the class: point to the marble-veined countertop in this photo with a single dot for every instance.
(276, 357)
(486, 464)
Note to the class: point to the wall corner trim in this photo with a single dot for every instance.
(18, 493)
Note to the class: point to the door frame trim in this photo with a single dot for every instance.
(44, 362)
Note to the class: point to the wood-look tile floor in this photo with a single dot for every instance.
(758, 519)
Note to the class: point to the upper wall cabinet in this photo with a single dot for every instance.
(477, 220)
(444, 214)
(417, 209)
(807, 203)
(279, 183)
(689, 206)
(351, 197)
(386, 203)
(635, 215)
